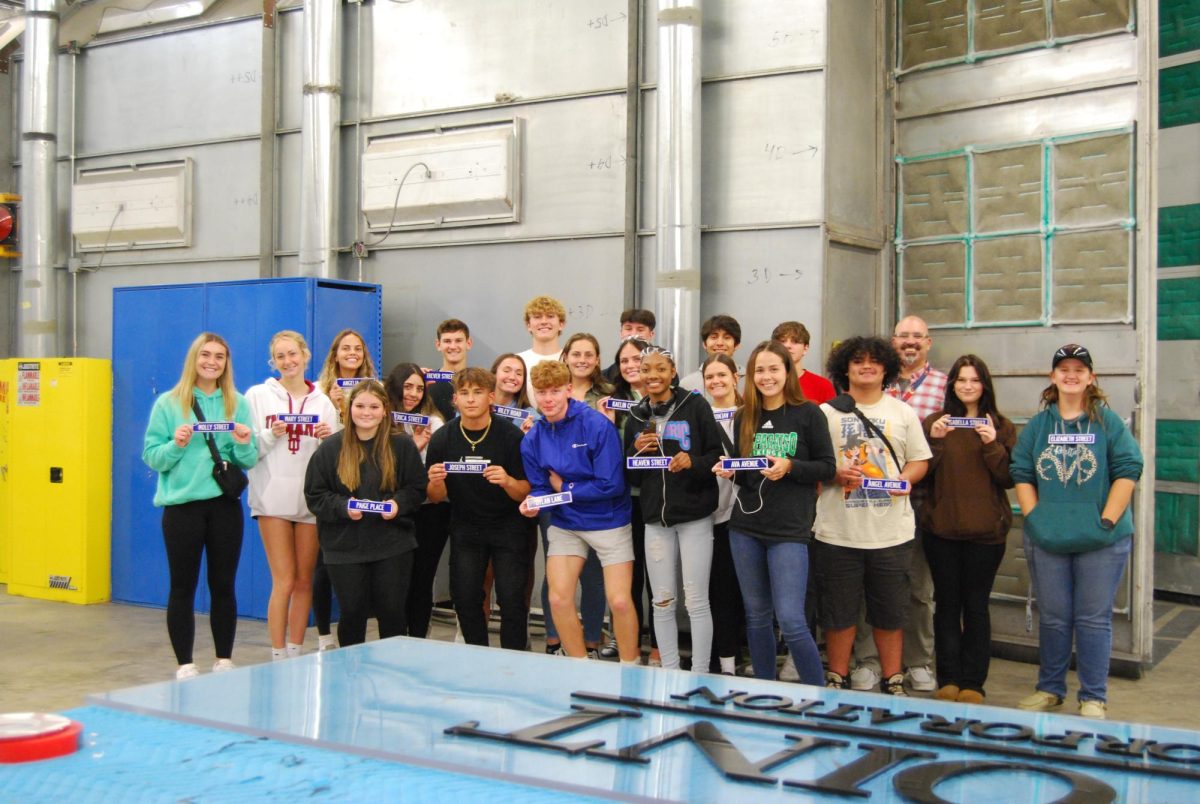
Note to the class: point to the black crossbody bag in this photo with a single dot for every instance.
(844, 403)
(230, 477)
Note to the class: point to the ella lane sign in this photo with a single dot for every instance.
(830, 747)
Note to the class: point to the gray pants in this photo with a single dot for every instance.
(918, 631)
(691, 543)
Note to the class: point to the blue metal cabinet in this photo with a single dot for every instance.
(152, 329)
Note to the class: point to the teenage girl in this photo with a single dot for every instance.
(369, 555)
(288, 528)
(509, 370)
(348, 358)
(198, 519)
(773, 512)
(725, 596)
(408, 393)
(677, 503)
(582, 356)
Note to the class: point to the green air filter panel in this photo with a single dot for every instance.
(935, 282)
(1007, 279)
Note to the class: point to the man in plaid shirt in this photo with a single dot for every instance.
(924, 388)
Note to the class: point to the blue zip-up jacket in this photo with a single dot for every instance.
(585, 451)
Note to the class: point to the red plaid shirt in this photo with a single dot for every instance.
(928, 396)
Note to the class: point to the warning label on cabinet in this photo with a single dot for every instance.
(29, 384)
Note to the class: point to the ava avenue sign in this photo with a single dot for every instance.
(840, 748)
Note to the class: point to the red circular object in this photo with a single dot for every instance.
(27, 737)
(7, 223)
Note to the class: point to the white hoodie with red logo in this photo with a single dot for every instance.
(277, 480)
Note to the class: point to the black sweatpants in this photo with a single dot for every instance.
(432, 530)
(508, 550)
(379, 587)
(190, 531)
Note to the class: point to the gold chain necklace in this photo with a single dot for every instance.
(474, 443)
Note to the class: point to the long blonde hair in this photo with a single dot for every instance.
(185, 389)
(329, 371)
(289, 335)
(353, 453)
(1093, 398)
(752, 406)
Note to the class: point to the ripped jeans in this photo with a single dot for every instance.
(692, 543)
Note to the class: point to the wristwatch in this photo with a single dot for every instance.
(1107, 524)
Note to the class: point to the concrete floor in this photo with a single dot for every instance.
(52, 655)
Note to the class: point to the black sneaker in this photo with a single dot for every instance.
(609, 649)
(894, 685)
(593, 653)
(555, 650)
(834, 681)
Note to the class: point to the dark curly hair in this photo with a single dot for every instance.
(837, 367)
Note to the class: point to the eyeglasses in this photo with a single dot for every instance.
(916, 336)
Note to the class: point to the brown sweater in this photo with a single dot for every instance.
(966, 484)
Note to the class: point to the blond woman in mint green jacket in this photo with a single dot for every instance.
(197, 518)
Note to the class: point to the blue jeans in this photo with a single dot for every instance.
(1075, 595)
(774, 578)
(592, 601)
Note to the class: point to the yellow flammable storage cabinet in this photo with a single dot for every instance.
(56, 477)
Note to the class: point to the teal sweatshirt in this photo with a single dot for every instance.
(185, 473)
(1073, 465)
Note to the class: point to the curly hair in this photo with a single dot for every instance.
(837, 367)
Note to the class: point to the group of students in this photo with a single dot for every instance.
(891, 493)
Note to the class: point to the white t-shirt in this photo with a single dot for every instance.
(531, 358)
(862, 518)
(725, 488)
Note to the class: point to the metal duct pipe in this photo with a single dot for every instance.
(319, 137)
(37, 327)
(677, 241)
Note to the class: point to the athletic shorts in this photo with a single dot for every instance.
(846, 574)
(612, 546)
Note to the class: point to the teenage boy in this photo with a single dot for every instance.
(635, 323)
(794, 337)
(485, 522)
(865, 537)
(545, 318)
(721, 335)
(575, 449)
(454, 342)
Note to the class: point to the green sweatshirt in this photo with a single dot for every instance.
(185, 473)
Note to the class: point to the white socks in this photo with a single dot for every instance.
(729, 665)
(278, 654)
(293, 649)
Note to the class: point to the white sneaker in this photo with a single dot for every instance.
(223, 665)
(326, 642)
(186, 671)
(921, 679)
(788, 671)
(864, 678)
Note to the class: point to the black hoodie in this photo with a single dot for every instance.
(670, 498)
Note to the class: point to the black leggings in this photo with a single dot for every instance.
(433, 529)
(378, 587)
(190, 531)
(725, 597)
(322, 596)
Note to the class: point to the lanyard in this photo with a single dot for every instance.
(915, 384)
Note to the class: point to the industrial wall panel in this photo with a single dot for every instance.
(475, 53)
(749, 36)
(1090, 17)
(488, 286)
(1178, 168)
(1091, 278)
(851, 299)
(289, 68)
(1092, 182)
(933, 198)
(932, 32)
(225, 202)
(1178, 26)
(854, 193)
(763, 151)
(1177, 451)
(1007, 279)
(1008, 24)
(1179, 95)
(1179, 236)
(1177, 385)
(934, 282)
(98, 317)
(1033, 72)
(1024, 121)
(1176, 524)
(1008, 189)
(1179, 308)
(186, 86)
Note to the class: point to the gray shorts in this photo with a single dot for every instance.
(612, 546)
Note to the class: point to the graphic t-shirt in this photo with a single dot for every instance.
(869, 518)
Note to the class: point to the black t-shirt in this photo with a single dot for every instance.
(442, 394)
(474, 501)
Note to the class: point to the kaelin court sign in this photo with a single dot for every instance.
(640, 733)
